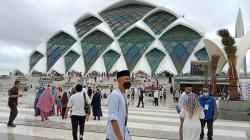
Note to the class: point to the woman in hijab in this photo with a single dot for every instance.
(39, 92)
(96, 105)
(45, 103)
(192, 112)
(64, 102)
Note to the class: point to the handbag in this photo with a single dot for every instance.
(178, 110)
(86, 105)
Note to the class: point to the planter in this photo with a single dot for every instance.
(234, 110)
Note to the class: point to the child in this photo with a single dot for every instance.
(58, 109)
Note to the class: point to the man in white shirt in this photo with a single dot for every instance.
(183, 98)
(78, 115)
(156, 97)
(118, 109)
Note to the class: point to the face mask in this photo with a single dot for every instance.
(206, 94)
(127, 85)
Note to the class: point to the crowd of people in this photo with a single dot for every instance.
(81, 102)
(195, 112)
(49, 101)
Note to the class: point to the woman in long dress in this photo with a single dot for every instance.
(45, 103)
(96, 105)
(192, 112)
(64, 102)
(39, 92)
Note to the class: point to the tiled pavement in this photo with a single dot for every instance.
(149, 123)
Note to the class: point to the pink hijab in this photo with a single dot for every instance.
(46, 101)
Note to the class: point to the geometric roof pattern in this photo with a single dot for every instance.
(110, 57)
(202, 54)
(83, 26)
(119, 19)
(93, 46)
(180, 42)
(57, 46)
(159, 21)
(133, 45)
(154, 58)
(121, 37)
(70, 58)
(34, 59)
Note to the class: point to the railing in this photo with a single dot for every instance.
(244, 76)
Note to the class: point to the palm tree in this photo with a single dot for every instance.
(230, 49)
(214, 63)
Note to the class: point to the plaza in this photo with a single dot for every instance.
(163, 50)
(149, 123)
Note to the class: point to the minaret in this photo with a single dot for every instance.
(239, 32)
(239, 26)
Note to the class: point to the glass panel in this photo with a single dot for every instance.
(154, 58)
(57, 46)
(121, 18)
(83, 26)
(70, 58)
(133, 44)
(202, 54)
(34, 59)
(180, 42)
(110, 58)
(93, 46)
(159, 21)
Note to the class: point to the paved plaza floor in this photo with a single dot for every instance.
(149, 123)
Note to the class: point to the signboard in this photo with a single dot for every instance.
(199, 67)
(45, 80)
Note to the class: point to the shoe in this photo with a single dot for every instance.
(94, 118)
(137, 106)
(11, 125)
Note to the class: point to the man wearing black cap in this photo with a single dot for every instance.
(118, 109)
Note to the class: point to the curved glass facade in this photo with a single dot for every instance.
(180, 42)
(133, 38)
(83, 26)
(57, 46)
(159, 21)
(154, 58)
(110, 57)
(70, 58)
(202, 54)
(119, 19)
(34, 59)
(93, 46)
(133, 44)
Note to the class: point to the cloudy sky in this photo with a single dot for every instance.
(24, 24)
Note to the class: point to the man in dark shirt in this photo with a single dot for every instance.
(13, 102)
(141, 98)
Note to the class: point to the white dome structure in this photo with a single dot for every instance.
(130, 34)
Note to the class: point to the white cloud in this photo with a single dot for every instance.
(10, 57)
